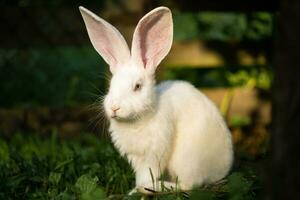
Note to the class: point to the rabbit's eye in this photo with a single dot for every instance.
(137, 87)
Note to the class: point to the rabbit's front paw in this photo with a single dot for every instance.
(133, 191)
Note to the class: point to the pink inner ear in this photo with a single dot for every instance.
(106, 39)
(113, 60)
(153, 39)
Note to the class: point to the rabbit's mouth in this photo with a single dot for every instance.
(115, 116)
(118, 116)
(130, 118)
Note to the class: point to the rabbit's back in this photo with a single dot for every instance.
(186, 101)
(202, 150)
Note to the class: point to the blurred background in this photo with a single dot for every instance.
(52, 78)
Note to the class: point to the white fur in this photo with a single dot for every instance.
(171, 127)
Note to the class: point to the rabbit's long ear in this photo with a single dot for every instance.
(152, 39)
(106, 39)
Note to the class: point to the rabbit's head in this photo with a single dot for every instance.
(132, 88)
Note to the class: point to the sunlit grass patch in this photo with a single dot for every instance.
(88, 167)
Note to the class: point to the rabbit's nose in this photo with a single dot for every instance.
(115, 108)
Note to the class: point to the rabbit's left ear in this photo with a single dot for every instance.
(152, 38)
(106, 39)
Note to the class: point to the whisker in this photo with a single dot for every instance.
(99, 119)
(104, 75)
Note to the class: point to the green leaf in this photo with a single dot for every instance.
(4, 152)
(95, 194)
(238, 187)
(54, 178)
(203, 195)
(86, 184)
(186, 26)
(62, 164)
(239, 121)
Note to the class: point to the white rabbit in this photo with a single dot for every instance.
(171, 127)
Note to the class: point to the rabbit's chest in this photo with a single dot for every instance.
(153, 138)
(132, 142)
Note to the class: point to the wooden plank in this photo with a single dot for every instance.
(196, 54)
(245, 103)
(192, 54)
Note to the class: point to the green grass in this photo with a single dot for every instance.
(88, 167)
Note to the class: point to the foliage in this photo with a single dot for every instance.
(185, 26)
(27, 3)
(223, 76)
(43, 168)
(223, 26)
(238, 189)
(238, 121)
(55, 76)
(260, 26)
(33, 167)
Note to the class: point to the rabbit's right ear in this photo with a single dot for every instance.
(106, 39)
(152, 38)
